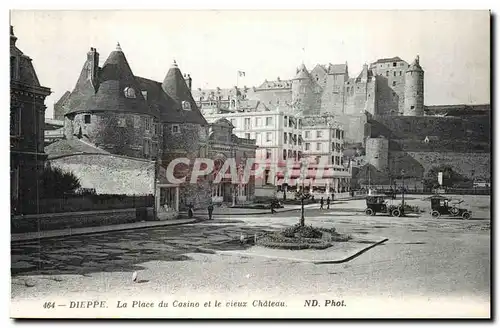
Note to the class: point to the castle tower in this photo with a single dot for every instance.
(301, 90)
(414, 90)
(377, 152)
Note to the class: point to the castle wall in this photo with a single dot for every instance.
(110, 174)
(417, 164)
(354, 127)
(473, 128)
(274, 96)
(332, 98)
(119, 133)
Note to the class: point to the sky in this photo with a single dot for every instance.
(212, 46)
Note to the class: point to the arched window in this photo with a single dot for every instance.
(129, 92)
(186, 105)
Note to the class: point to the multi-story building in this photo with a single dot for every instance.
(27, 113)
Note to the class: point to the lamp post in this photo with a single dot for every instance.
(303, 169)
(233, 184)
(403, 190)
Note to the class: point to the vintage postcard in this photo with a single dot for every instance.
(250, 164)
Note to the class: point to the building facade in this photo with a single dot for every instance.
(27, 113)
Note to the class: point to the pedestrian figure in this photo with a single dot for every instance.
(190, 211)
(328, 203)
(321, 202)
(272, 207)
(210, 210)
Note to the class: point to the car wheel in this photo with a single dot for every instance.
(435, 214)
(369, 211)
(466, 216)
(396, 213)
(454, 211)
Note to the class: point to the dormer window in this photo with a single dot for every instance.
(186, 105)
(129, 92)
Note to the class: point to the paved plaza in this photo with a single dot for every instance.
(423, 256)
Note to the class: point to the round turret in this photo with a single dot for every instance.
(414, 90)
(377, 152)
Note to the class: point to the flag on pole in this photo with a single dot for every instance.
(241, 73)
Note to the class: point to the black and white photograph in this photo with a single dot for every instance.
(271, 164)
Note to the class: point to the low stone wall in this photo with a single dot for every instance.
(55, 221)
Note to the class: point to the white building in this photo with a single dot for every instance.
(282, 135)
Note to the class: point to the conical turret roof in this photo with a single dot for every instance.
(118, 90)
(302, 73)
(415, 66)
(174, 85)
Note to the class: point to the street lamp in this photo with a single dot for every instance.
(303, 170)
(403, 190)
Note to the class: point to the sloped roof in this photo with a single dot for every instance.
(388, 60)
(113, 77)
(415, 66)
(70, 147)
(337, 69)
(176, 88)
(63, 99)
(302, 73)
(26, 73)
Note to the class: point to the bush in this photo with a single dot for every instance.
(56, 183)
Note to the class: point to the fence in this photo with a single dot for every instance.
(83, 203)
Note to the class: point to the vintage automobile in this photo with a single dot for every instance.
(441, 205)
(378, 204)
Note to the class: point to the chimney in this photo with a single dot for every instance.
(189, 81)
(93, 66)
(13, 38)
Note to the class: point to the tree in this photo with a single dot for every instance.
(450, 177)
(56, 182)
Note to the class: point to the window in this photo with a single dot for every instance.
(290, 138)
(400, 73)
(308, 134)
(394, 64)
(393, 83)
(284, 154)
(295, 139)
(247, 123)
(86, 118)
(285, 139)
(269, 121)
(341, 134)
(319, 134)
(258, 121)
(308, 146)
(318, 146)
(290, 122)
(412, 107)
(247, 135)
(122, 122)
(175, 128)
(295, 154)
(290, 154)
(269, 136)
(137, 121)
(268, 153)
(257, 137)
(387, 73)
(395, 73)
(186, 105)
(129, 92)
(286, 121)
(299, 155)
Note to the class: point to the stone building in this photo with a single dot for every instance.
(27, 112)
(120, 113)
(224, 144)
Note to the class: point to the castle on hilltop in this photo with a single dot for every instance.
(381, 110)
